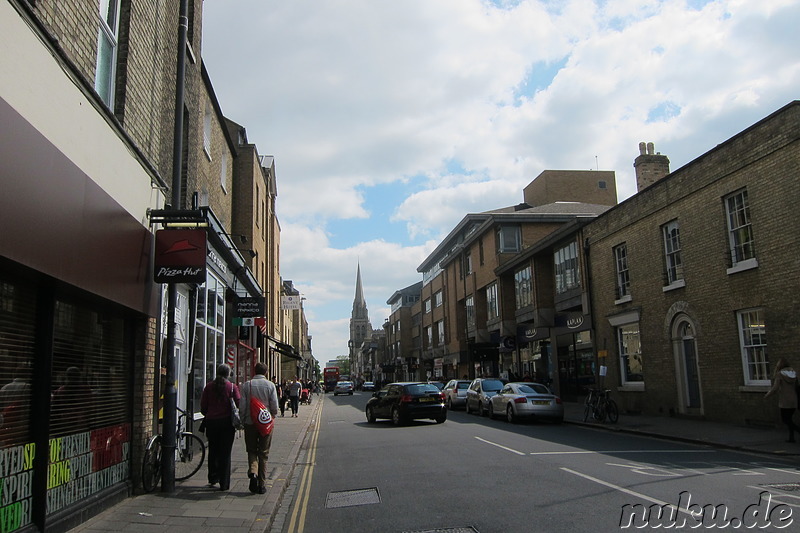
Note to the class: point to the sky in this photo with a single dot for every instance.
(389, 121)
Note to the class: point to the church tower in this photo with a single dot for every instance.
(360, 326)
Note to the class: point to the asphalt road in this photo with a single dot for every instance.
(475, 474)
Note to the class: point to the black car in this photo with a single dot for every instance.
(403, 402)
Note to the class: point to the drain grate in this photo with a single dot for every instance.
(468, 529)
(788, 487)
(351, 498)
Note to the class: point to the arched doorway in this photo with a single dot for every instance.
(687, 367)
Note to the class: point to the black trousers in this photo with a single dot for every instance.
(786, 416)
(220, 434)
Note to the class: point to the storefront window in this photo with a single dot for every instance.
(210, 335)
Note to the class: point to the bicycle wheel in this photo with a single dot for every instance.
(189, 455)
(599, 412)
(151, 464)
(611, 411)
(588, 409)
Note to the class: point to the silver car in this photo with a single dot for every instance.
(456, 393)
(480, 392)
(343, 387)
(516, 401)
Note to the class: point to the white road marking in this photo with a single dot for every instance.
(646, 470)
(626, 491)
(576, 452)
(500, 446)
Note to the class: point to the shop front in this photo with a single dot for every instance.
(575, 352)
(78, 310)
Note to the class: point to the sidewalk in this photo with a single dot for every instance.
(195, 507)
(695, 431)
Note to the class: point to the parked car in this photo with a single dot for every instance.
(343, 387)
(480, 392)
(455, 393)
(438, 384)
(402, 402)
(516, 401)
(368, 386)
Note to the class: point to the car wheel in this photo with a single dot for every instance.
(466, 407)
(510, 415)
(481, 412)
(351, 394)
(440, 419)
(491, 410)
(449, 404)
(396, 419)
(370, 415)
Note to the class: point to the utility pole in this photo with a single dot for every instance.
(169, 429)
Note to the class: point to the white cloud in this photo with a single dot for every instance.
(353, 95)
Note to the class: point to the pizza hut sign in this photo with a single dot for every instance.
(180, 256)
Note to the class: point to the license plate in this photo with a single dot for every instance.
(541, 402)
(428, 399)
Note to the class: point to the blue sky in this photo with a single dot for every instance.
(390, 121)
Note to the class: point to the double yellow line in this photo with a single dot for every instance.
(301, 504)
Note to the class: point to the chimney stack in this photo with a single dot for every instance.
(650, 166)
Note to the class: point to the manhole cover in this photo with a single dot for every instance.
(468, 529)
(351, 498)
(789, 487)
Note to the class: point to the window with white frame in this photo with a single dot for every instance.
(509, 239)
(440, 332)
(740, 229)
(621, 266)
(567, 269)
(468, 265)
(469, 304)
(427, 305)
(207, 130)
(630, 353)
(107, 45)
(437, 299)
(672, 252)
(429, 335)
(209, 339)
(223, 172)
(492, 309)
(753, 342)
(523, 287)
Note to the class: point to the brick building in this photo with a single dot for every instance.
(469, 317)
(87, 102)
(694, 282)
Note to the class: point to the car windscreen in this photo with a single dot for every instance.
(533, 388)
(464, 385)
(421, 389)
(492, 385)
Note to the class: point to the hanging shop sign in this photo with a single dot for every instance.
(180, 256)
(290, 302)
(250, 307)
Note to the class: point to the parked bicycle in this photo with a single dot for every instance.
(190, 451)
(600, 406)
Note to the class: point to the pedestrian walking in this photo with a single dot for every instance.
(256, 444)
(283, 397)
(294, 395)
(215, 404)
(784, 383)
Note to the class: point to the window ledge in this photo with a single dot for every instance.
(625, 299)
(762, 389)
(677, 284)
(741, 266)
(634, 386)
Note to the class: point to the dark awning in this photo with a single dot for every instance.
(285, 349)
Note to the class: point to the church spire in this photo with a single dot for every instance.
(360, 326)
(359, 300)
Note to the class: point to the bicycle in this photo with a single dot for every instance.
(190, 452)
(600, 406)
